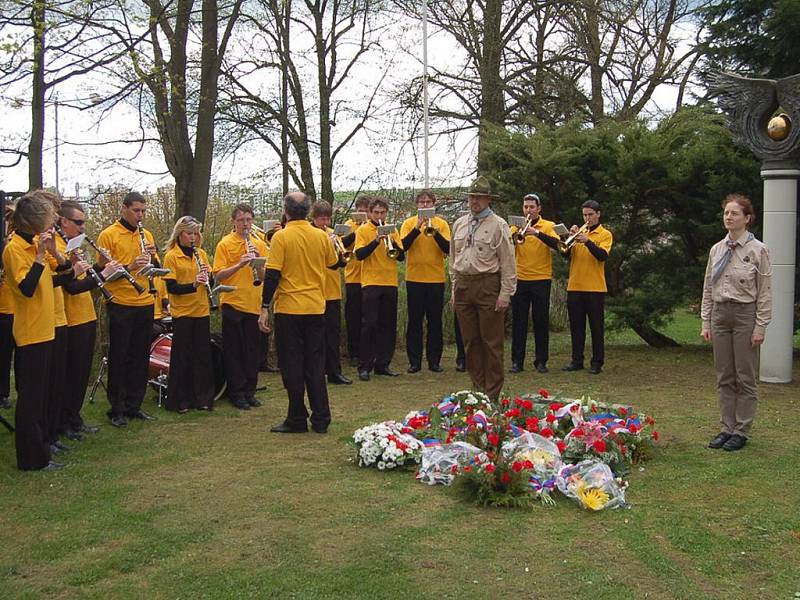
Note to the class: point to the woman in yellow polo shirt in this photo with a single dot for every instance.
(31, 285)
(191, 370)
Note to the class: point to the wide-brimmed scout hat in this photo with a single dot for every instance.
(481, 187)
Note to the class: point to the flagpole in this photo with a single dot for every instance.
(425, 86)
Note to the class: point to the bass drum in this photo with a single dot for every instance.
(158, 370)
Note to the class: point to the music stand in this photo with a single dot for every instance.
(99, 381)
(6, 424)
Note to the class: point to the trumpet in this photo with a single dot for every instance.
(122, 272)
(256, 263)
(519, 235)
(566, 245)
(78, 253)
(212, 303)
(426, 216)
(344, 254)
(391, 250)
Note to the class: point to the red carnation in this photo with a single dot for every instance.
(655, 435)
(454, 469)
(518, 401)
(504, 402)
(517, 466)
(467, 469)
(623, 411)
(578, 433)
(544, 393)
(556, 405)
(489, 468)
(547, 432)
(599, 446)
(633, 428)
(505, 478)
(550, 418)
(562, 445)
(528, 464)
(527, 404)
(493, 439)
(515, 412)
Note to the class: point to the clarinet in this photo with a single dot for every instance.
(151, 288)
(212, 304)
(106, 256)
(252, 249)
(107, 295)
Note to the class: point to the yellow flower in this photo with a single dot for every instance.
(592, 498)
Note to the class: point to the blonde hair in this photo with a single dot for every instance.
(34, 212)
(187, 223)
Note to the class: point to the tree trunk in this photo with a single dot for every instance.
(492, 89)
(35, 179)
(653, 337)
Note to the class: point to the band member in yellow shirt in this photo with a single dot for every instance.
(130, 313)
(191, 368)
(378, 292)
(31, 285)
(352, 286)
(241, 307)
(299, 257)
(586, 289)
(427, 244)
(534, 279)
(6, 338)
(321, 213)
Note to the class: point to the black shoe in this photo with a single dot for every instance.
(515, 368)
(719, 441)
(435, 368)
(320, 429)
(736, 442)
(5, 402)
(73, 435)
(387, 372)
(573, 366)
(141, 415)
(363, 375)
(339, 379)
(55, 449)
(61, 446)
(595, 370)
(271, 369)
(461, 366)
(253, 402)
(353, 361)
(88, 429)
(119, 421)
(284, 428)
(542, 368)
(53, 466)
(241, 404)
(411, 369)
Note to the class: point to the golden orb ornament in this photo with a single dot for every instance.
(778, 127)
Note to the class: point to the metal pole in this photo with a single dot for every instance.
(425, 85)
(285, 99)
(58, 186)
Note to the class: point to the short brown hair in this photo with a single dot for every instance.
(242, 207)
(68, 207)
(322, 208)
(34, 212)
(362, 201)
(744, 202)
(378, 201)
(425, 194)
(132, 197)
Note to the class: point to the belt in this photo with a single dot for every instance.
(735, 302)
(478, 275)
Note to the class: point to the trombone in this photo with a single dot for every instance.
(391, 250)
(519, 234)
(566, 245)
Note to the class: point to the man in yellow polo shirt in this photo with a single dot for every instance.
(240, 308)
(298, 258)
(534, 279)
(352, 287)
(130, 313)
(378, 293)
(586, 289)
(425, 278)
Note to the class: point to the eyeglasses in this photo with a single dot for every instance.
(77, 222)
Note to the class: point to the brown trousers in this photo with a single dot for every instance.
(736, 362)
(483, 329)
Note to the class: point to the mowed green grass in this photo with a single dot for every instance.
(214, 506)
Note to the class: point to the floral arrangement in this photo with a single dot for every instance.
(516, 451)
(386, 446)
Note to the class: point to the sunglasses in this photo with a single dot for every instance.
(77, 222)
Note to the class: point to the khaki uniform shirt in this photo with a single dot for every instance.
(746, 278)
(488, 250)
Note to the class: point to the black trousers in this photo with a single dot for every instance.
(425, 302)
(378, 327)
(301, 347)
(333, 337)
(191, 369)
(580, 306)
(243, 353)
(6, 351)
(130, 330)
(80, 352)
(58, 377)
(461, 353)
(32, 365)
(532, 297)
(352, 317)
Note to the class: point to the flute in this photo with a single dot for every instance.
(122, 270)
(107, 295)
(212, 304)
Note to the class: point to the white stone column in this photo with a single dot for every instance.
(780, 231)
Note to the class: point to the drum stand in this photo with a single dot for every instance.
(6, 424)
(99, 381)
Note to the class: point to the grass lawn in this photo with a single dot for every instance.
(214, 506)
